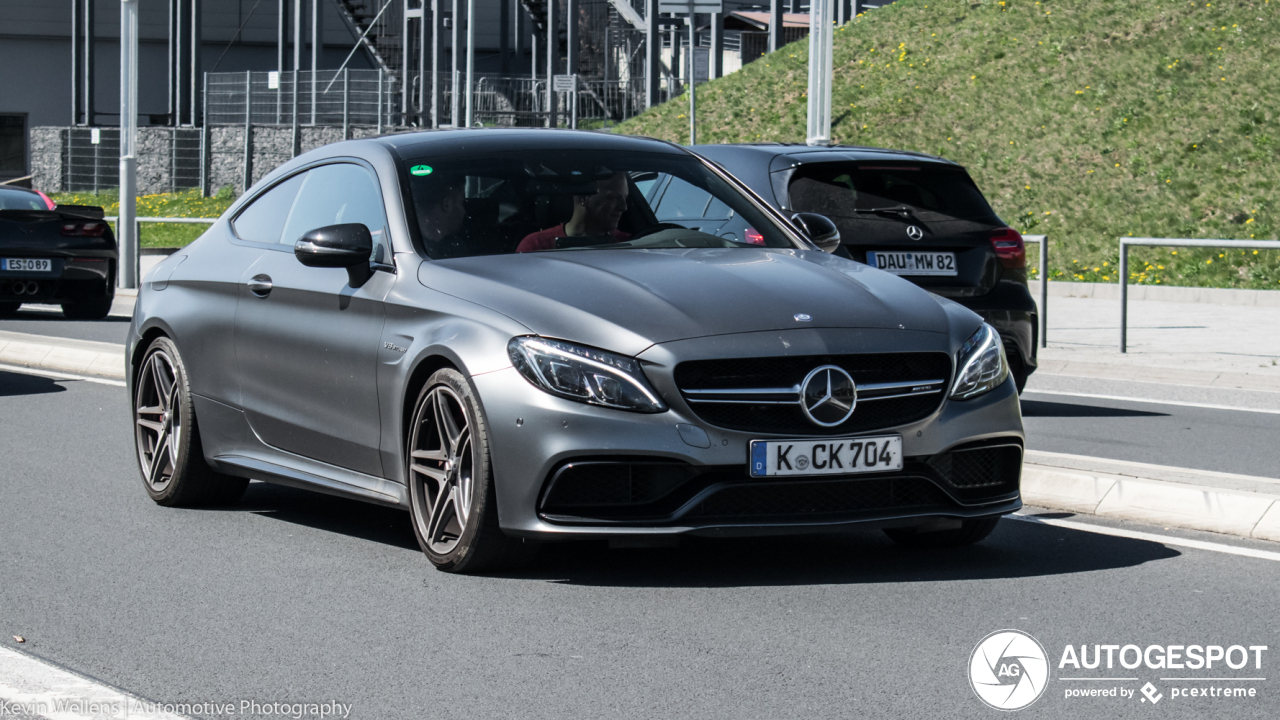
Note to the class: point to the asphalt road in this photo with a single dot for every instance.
(48, 320)
(294, 596)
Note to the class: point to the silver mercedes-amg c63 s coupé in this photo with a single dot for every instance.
(511, 335)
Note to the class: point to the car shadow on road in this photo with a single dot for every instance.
(1016, 549)
(17, 384)
(1044, 408)
(365, 521)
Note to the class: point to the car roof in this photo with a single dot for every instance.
(797, 152)
(15, 188)
(509, 139)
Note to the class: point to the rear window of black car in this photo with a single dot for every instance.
(856, 189)
(19, 200)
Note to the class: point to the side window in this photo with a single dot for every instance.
(263, 220)
(333, 195)
(682, 201)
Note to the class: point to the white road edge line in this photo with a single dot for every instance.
(1207, 406)
(1151, 537)
(55, 375)
(33, 687)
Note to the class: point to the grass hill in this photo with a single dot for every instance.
(1083, 119)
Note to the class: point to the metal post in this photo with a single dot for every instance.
(553, 60)
(173, 55)
(381, 82)
(504, 35)
(571, 57)
(1044, 291)
(281, 37)
(248, 132)
(346, 103)
(204, 143)
(693, 76)
(406, 50)
(75, 62)
(127, 274)
(471, 61)
(196, 33)
(455, 66)
(717, 46)
(423, 87)
(297, 63)
(437, 22)
(1124, 295)
(316, 43)
(652, 50)
(820, 69)
(90, 63)
(775, 25)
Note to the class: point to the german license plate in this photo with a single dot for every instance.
(26, 264)
(913, 263)
(829, 456)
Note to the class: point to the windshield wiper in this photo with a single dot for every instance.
(902, 211)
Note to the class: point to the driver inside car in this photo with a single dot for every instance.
(593, 215)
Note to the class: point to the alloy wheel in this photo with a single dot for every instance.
(158, 423)
(442, 468)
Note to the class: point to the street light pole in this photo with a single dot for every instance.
(471, 61)
(820, 69)
(126, 226)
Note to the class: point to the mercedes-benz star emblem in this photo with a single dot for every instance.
(803, 317)
(914, 232)
(828, 395)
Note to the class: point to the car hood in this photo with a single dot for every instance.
(626, 300)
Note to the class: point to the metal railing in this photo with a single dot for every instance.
(1043, 242)
(1126, 242)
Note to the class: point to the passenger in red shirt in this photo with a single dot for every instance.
(592, 215)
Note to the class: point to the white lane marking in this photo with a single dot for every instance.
(53, 374)
(32, 687)
(1151, 537)
(1207, 406)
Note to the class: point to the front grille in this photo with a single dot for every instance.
(808, 499)
(978, 467)
(605, 484)
(894, 389)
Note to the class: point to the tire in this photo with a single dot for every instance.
(453, 505)
(170, 455)
(8, 309)
(95, 309)
(971, 530)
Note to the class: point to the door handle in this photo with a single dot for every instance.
(260, 285)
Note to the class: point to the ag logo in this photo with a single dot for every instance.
(915, 233)
(1008, 670)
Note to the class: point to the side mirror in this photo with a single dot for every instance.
(821, 231)
(338, 246)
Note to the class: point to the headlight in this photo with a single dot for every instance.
(982, 364)
(584, 374)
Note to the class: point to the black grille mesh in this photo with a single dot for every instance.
(606, 484)
(800, 499)
(785, 372)
(979, 467)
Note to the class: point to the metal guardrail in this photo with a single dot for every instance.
(1043, 242)
(1126, 242)
(189, 220)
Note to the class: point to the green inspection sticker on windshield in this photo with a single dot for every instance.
(420, 170)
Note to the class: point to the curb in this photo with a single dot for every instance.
(63, 354)
(1239, 505)
(1161, 293)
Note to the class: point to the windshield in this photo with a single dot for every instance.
(933, 192)
(575, 201)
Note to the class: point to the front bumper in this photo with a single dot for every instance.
(535, 435)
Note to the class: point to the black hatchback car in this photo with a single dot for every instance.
(910, 214)
(55, 254)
